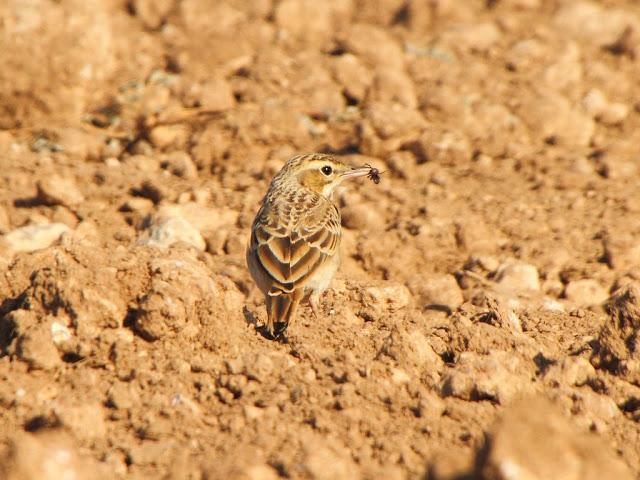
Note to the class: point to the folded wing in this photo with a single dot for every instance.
(292, 249)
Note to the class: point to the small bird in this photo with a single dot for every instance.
(293, 252)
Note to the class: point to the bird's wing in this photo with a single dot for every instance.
(292, 242)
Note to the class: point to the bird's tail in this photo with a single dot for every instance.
(281, 310)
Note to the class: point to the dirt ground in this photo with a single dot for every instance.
(485, 323)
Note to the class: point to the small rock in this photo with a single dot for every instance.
(533, 441)
(597, 105)
(374, 45)
(179, 164)
(388, 296)
(152, 13)
(352, 75)
(395, 86)
(518, 276)
(34, 344)
(57, 190)
(448, 148)
(212, 95)
(614, 114)
(85, 419)
(566, 72)
(122, 396)
(328, 463)
(585, 292)
(477, 37)
(571, 371)
(167, 227)
(46, 455)
(616, 348)
(34, 237)
(592, 22)
(411, 350)
(309, 21)
(142, 163)
(553, 119)
(498, 376)
(165, 136)
(441, 291)
(138, 205)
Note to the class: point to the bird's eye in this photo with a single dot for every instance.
(327, 170)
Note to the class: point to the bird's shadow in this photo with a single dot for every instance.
(261, 328)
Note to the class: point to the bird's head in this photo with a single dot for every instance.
(321, 173)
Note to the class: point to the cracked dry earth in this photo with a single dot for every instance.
(485, 323)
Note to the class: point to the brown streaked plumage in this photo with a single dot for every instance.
(294, 248)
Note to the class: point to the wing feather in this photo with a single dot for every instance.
(293, 245)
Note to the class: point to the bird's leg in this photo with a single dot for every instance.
(314, 301)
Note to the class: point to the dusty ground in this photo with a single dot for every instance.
(485, 322)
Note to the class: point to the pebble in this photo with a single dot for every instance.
(57, 190)
(477, 37)
(592, 22)
(47, 455)
(498, 376)
(518, 276)
(438, 291)
(179, 164)
(165, 136)
(352, 75)
(167, 228)
(585, 292)
(34, 237)
(374, 45)
(526, 441)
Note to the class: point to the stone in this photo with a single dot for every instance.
(553, 119)
(393, 86)
(598, 106)
(478, 37)
(168, 227)
(534, 441)
(585, 292)
(47, 455)
(566, 72)
(591, 22)
(57, 190)
(34, 237)
(518, 276)
(388, 296)
(309, 21)
(34, 344)
(169, 136)
(411, 350)
(570, 371)
(373, 44)
(354, 77)
(328, 462)
(619, 336)
(437, 291)
(212, 95)
(85, 419)
(498, 376)
(179, 164)
(152, 13)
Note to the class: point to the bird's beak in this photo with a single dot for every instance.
(355, 172)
